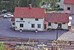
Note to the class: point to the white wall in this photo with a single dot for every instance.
(65, 26)
(54, 26)
(28, 22)
(65, 7)
(71, 8)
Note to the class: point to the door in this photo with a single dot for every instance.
(59, 26)
(45, 26)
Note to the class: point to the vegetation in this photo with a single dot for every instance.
(25, 3)
(2, 46)
(18, 3)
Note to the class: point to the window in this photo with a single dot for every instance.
(21, 25)
(36, 19)
(13, 23)
(39, 25)
(21, 18)
(33, 25)
(68, 8)
(49, 24)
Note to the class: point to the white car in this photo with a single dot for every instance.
(8, 15)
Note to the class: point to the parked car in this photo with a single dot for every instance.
(4, 11)
(7, 15)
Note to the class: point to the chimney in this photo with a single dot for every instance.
(30, 6)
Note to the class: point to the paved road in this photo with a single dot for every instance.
(72, 22)
(6, 31)
(72, 19)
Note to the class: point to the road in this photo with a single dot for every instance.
(72, 22)
(72, 19)
(6, 31)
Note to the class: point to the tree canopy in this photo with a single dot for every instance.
(23, 3)
(19, 3)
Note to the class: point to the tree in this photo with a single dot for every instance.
(18, 3)
(53, 4)
(0, 5)
(25, 3)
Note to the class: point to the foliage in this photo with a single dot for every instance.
(2, 46)
(25, 3)
(56, 9)
(53, 4)
(18, 3)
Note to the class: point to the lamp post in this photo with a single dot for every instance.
(54, 43)
(57, 32)
(57, 36)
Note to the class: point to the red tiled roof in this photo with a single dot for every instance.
(57, 17)
(26, 12)
(69, 1)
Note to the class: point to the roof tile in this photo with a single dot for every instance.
(57, 17)
(69, 1)
(26, 12)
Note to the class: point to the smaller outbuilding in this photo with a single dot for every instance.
(57, 20)
(69, 6)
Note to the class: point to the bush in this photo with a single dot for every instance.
(56, 9)
(2, 46)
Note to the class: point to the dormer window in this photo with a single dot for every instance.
(36, 19)
(21, 18)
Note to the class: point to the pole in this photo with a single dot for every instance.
(57, 35)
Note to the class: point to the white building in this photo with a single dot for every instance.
(57, 21)
(29, 24)
(28, 18)
(69, 6)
